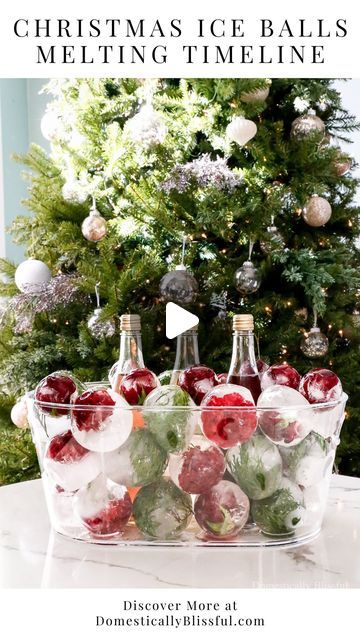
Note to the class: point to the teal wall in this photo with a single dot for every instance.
(21, 109)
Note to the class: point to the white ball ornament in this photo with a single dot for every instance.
(19, 415)
(241, 130)
(31, 274)
(73, 191)
(50, 125)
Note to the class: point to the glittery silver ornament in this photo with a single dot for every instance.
(257, 95)
(317, 211)
(356, 315)
(147, 127)
(247, 278)
(315, 344)
(100, 328)
(73, 191)
(94, 227)
(179, 286)
(272, 241)
(306, 125)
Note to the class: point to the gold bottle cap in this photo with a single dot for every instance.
(243, 322)
(130, 322)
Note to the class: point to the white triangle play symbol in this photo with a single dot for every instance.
(178, 320)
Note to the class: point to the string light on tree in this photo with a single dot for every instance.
(98, 327)
(317, 211)
(306, 125)
(94, 227)
(315, 343)
(179, 285)
(247, 277)
(241, 130)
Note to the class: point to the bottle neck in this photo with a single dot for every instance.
(243, 354)
(131, 353)
(187, 350)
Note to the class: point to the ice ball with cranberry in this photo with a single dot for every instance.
(320, 385)
(261, 367)
(136, 385)
(256, 467)
(286, 417)
(101, 419)
(280, 374)
(138, 462)
(161, 510)
(222, 511)
(199, 467)
(197, 381)
(68, 464)
(104, 507)
(58, 388)
(228, 415)
(168, 413)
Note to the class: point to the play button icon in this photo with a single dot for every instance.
(178, 320)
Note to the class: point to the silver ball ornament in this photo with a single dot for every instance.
(272, 241)
(179, 286)
(147, 127)
(342, 165)
(247, 278)
(94, 227)
(317, 211)
(305, 125)
(315, 344)
(100, 328)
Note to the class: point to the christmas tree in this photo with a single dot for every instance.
(164, 164)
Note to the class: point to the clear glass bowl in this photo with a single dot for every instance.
(165, 475)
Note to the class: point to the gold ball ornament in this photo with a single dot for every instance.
(306, 125)
(257, 95)
(317, 211)
(19, 415)
(314, 344)
(241, 130)
(94, 227)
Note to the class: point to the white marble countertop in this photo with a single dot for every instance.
(32, 555)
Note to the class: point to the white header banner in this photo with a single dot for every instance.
(162, 39)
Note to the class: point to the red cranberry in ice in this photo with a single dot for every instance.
(320, 385)
(137, 384)
(277, 429)
(222, 511)
(112, 519)
(57, 388)
(201, 469)
(221, 378)
(282, 374)
(197, 381)
(228, 427)
(97, 405)
(64, 448)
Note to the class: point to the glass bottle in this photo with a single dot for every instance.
(187, 353)
(243, 368)
(131, 354)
